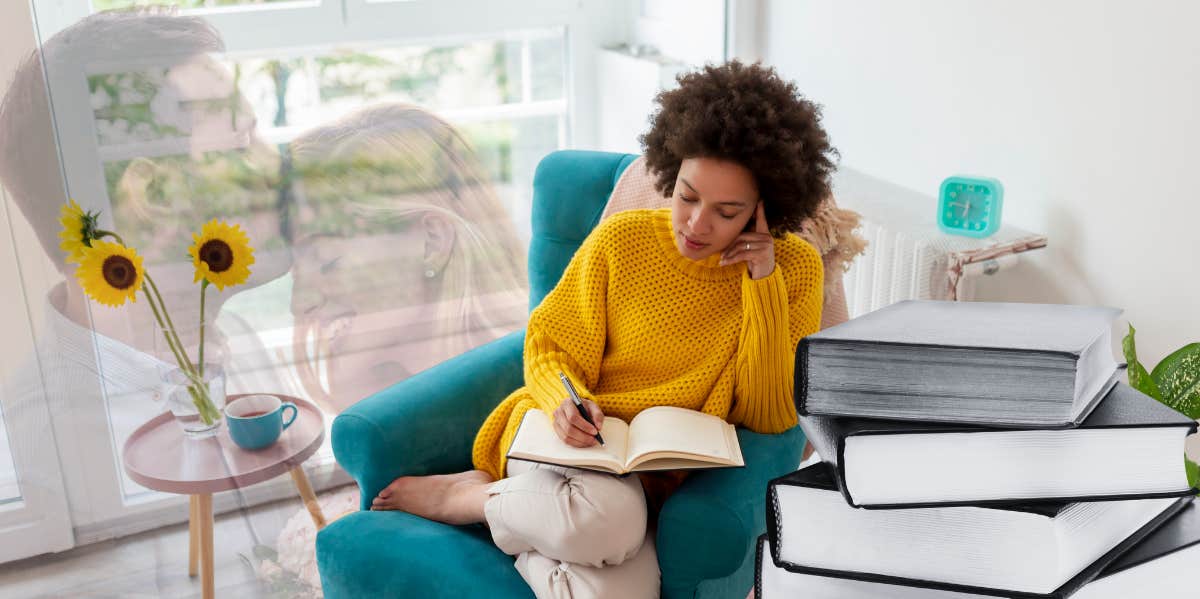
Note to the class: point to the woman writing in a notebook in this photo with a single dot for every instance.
(699, 306)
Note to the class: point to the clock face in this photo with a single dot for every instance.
(970, 206)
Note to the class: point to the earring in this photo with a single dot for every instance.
(430, 273)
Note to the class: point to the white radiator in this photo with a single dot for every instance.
(907, 256)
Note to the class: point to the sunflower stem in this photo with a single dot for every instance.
(153, 308)
(169, 331)
(101, 234)
(196, 389)
(203, 287)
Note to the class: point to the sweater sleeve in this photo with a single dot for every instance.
(777, 311)
(567, 331)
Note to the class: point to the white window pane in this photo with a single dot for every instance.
(548, 80)
(477, 75)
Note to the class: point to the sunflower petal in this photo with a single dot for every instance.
(110, 273)
(74, 233)
(227, 254)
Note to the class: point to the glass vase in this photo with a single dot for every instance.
(195, 395)
(196, 401)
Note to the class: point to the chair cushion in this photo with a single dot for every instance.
(391, 553)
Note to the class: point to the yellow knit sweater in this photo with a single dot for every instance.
(635, 324)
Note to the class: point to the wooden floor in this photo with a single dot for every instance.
(155, 563)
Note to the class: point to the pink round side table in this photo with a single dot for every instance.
(159, 457)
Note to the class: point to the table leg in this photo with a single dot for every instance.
(193, 533)
(310, 498)
(204, 507)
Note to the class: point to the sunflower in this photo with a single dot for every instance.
(110, 273)
(221, 254)
(79, 229)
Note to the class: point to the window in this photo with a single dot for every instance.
(379, 155)
(360, 307)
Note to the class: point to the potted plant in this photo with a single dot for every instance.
(1175, 382)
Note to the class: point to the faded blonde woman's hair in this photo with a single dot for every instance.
(394, 161)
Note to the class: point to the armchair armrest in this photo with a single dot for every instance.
(426, 423)
(723, 511)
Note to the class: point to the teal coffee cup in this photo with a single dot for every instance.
(256, 421)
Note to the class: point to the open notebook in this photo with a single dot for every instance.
(658, 438)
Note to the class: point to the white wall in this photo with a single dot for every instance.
(1087, 110)
(691, 31)
(685, 33)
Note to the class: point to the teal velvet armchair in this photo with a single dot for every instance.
(426, 425)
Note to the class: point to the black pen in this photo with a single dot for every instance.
(579, 405)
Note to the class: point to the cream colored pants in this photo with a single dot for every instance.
(576, 534)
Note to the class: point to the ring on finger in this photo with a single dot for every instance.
(747, 246)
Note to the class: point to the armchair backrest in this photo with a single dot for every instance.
(570, 190)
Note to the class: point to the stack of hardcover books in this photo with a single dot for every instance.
(979, 449)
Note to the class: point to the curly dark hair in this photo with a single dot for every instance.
(749, 115)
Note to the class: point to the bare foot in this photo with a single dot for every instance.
(450, 498)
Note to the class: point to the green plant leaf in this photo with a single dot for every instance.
(1178, 379)
(1138, 378)
(1142, 381)
(1193, 472)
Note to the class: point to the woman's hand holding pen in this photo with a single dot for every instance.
(570, 426)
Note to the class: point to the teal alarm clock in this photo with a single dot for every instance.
(970, 205)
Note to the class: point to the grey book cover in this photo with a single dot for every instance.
(1179, 533)
(1055, 328)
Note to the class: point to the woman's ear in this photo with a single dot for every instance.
(439, 243)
